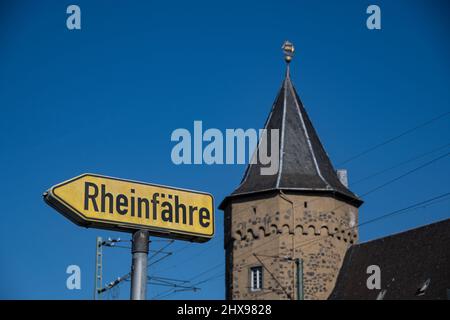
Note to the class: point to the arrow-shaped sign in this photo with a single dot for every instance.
(97, 201)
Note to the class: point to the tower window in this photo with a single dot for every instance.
(306, 204)
(256, 278)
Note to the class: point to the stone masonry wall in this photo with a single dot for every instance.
(265, 232)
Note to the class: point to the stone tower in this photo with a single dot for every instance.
(286, 234)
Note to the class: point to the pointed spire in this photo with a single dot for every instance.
(304, 165)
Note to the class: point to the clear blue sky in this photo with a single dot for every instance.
(105, 99)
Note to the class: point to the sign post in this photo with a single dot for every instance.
(139, 251)
(143, 209)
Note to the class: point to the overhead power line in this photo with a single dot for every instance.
(384, 170)
(196, 284)
(273, 276)
(394, 138)
(421, 204)
(366, 193)
(206, 248)
(400, 164)
(377, 146)
(417, 205)
(407, 173)
(126, 277)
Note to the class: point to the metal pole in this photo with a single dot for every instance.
(98, 268)
(299, 265)
(139, 250)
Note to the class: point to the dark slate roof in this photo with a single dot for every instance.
(304, 164)
(407, 262)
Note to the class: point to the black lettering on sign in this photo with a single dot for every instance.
(155, 203)
(132, 204)
(141, 201)
(191, 214)
(167, 207)
(88, 196)
(179, 206)
(122, 201)
(204, 215)
(110, 198)
(166, 213)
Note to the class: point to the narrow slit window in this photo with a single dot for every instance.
(256, 278)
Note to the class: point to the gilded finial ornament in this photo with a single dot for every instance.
(288, 50)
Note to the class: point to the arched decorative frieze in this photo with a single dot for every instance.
(262, 232)
(251, 235)
(273, 229)
(324, 231)
(237, 235)
(298, 229)
(285, 229)
(263, 229)
(311, 230)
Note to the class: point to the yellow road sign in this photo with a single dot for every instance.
(97, 201)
